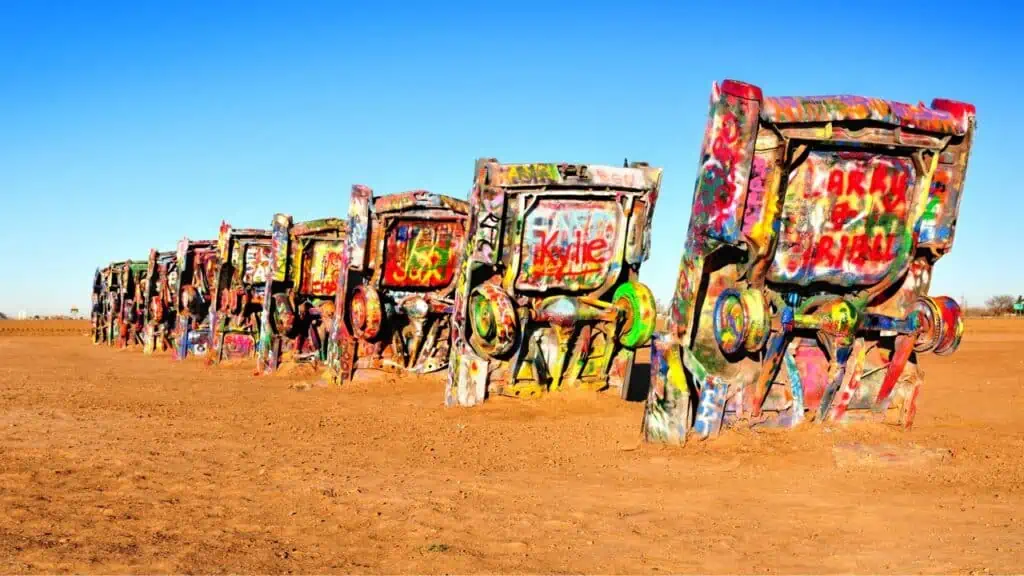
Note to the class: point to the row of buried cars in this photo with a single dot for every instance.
(802, 293)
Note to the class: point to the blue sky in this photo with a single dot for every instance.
(126, 125)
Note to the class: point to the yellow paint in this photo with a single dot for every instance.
(595, 302)
(922, 194)
(558, 368)
(425, 254)
(826, 132)
(525, 173)
(676, 377)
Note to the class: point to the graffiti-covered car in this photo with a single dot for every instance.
(161, 302)
(116, 297)
(244, 256)
(101, 305)
(803, 289)
(548, 294)
(394, 301)
(131, 285)
(113, 295)
(305, 261)
(197, 275)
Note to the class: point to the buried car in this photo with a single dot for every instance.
(102, 305)
(197, 275)
(394, 300)
(237, 305)
(305, 260)
(548, 295)
(130, 314)
(116, 296)
(160, 301)
(803, 288)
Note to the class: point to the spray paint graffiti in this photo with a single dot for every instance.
(804, 251)
(323, 264)
(118, 304)
(257, 264)
(196, 281)
(244, 266)
(397, 274)
(547, 296)
(569, 244)
(160, 298)
(298, 297)
(422, 253)
(843, 219)
(96, 311)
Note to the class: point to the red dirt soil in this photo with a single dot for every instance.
(112, 461)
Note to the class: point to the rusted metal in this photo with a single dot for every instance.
(815, 226)
(243, 256)
(394, 300)
(300, 291)
(548, 295)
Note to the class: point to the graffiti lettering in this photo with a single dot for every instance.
(857, 250)
(588, 254)
(257, 264)
(844, 216)
(485, 227)
(530, 173)
(422, 254)
(569, 244)
(322, 279)
(612, 176)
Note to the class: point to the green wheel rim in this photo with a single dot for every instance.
(637, 301)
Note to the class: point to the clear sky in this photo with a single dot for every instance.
(126, 125)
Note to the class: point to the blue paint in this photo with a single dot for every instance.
(796, 388)
(183, 343)
(711, 409)
(787, 319)
(842, 355)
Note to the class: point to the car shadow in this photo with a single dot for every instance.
(639, 382)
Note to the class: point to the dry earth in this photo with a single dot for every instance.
(111, 461)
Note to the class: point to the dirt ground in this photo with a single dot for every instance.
(112, 461)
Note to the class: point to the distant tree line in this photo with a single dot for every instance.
(1005, 304)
